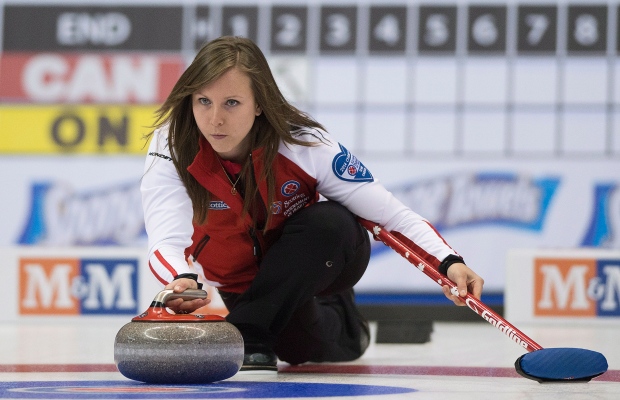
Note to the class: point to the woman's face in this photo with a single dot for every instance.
(225, 111)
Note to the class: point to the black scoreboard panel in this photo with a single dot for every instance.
(240, 21)
(587, 29)
(437, 29)
(338, 29)
(387, 29)
(76, 28)
(202, 28)
(459, 63)
(289, 29)
(537, 27)
(581, 28)
(486, 29)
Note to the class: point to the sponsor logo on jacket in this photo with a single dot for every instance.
(218, 205)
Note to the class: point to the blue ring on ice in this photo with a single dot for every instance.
(69, 390)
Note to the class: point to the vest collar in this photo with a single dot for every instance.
(208, 171)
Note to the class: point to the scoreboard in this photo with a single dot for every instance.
(389, 79)
(358, 28)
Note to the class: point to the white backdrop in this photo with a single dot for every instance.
(92, 200)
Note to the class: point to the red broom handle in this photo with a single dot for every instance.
(473, 303)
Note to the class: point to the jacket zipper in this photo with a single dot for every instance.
(200, 246)
(258, 252)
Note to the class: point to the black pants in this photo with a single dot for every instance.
(300, 303)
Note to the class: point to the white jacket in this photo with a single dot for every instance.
(326, 168)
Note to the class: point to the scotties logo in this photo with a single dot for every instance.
(60, 216)
(218, 205)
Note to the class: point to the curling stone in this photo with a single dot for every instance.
(161, 347)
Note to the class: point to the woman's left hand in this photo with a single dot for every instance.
(466, 281)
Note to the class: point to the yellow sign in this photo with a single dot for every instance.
(83, 129)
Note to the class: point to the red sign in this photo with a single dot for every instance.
(88, 78)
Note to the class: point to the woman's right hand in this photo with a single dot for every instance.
(180, 306)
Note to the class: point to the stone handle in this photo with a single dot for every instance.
(189, 294)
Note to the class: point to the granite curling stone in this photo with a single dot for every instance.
(161, 347)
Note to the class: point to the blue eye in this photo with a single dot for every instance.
(232, 102)
(204, 101)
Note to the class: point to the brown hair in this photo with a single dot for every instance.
(270, 127)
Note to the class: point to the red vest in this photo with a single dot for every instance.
(227, 246)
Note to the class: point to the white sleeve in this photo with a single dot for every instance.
(343, 178)
(167, 212)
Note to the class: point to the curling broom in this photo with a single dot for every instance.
(542, 365)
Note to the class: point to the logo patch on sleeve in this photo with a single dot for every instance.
(348, 168)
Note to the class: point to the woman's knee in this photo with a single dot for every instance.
(329, 220)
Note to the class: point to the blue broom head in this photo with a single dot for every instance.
(561, 364)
